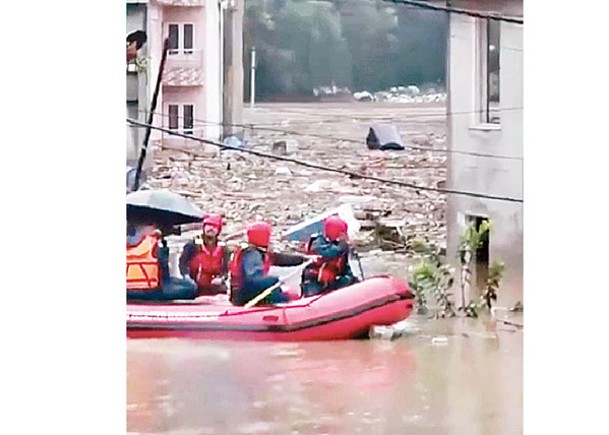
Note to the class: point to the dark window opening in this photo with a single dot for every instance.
(174, 38)
(188, 38)
(481, 257)
(188, 118)
(490, 53)
(173, 116)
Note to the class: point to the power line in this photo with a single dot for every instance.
(324, 168)
(458, 11)
(350, 140)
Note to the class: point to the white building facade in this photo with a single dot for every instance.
(485, 117)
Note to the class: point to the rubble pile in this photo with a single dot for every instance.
(243, 186)
(396, 94)
(403, 94)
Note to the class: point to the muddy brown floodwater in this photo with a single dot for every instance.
(470, 383)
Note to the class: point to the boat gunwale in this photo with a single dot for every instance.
(311, 323)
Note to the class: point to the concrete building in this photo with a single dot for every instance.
(191, 97)
(137, 83)
(485, 107)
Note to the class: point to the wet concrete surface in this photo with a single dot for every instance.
(457, 376)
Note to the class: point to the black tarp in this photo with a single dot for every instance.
(384, 137)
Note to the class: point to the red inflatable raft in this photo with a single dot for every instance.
(342, 314)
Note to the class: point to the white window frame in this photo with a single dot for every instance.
(181, 51)
(483, 111)
(181, 117)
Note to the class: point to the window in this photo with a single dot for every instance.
(490, 71)
(188, 38)
(181, 38)
(174, 38)
(183, 123)
(188, 118)
(173, 116)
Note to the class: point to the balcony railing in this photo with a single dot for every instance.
(185, 59)
(180, 2)
(179, 141)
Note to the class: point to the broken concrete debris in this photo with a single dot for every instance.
(288, 194)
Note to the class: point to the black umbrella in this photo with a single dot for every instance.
(162, 207)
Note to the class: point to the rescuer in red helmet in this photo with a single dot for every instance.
(331, 270)
(249, 267)
(205, 258)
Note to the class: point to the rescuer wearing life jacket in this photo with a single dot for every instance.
(148, 276)
(331, 270)
(250, 264)
(205, 259)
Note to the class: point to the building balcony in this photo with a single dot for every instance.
(185, 59)
(184, 68)
(170, 140)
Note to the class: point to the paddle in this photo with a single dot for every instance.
(269, 290)
(359, 263)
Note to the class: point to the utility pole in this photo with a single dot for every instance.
(232, 107)
(253, 79)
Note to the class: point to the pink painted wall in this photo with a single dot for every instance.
(186, 94)
(192, 15)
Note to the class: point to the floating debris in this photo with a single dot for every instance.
(439, 340)
(243, 187)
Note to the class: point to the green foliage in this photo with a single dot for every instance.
(472, 239)
(421, 283)
(495, 273)
(430, 277)
(490, 294)
(361, 44)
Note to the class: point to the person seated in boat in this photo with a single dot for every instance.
(331, 270)
(250, 264)
(148, 276)
(205, 259)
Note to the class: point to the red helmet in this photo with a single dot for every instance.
(334, 227)
(259, 234)
(215, 220)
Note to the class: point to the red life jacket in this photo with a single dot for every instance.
(206, 264)
(236, 267)
(325, 272)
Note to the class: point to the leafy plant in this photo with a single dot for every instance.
(420, 282)
(490, 293)
(444, 281)
(495, 273)
(471, 240)
(434, 279)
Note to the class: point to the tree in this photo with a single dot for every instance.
(362, 44)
